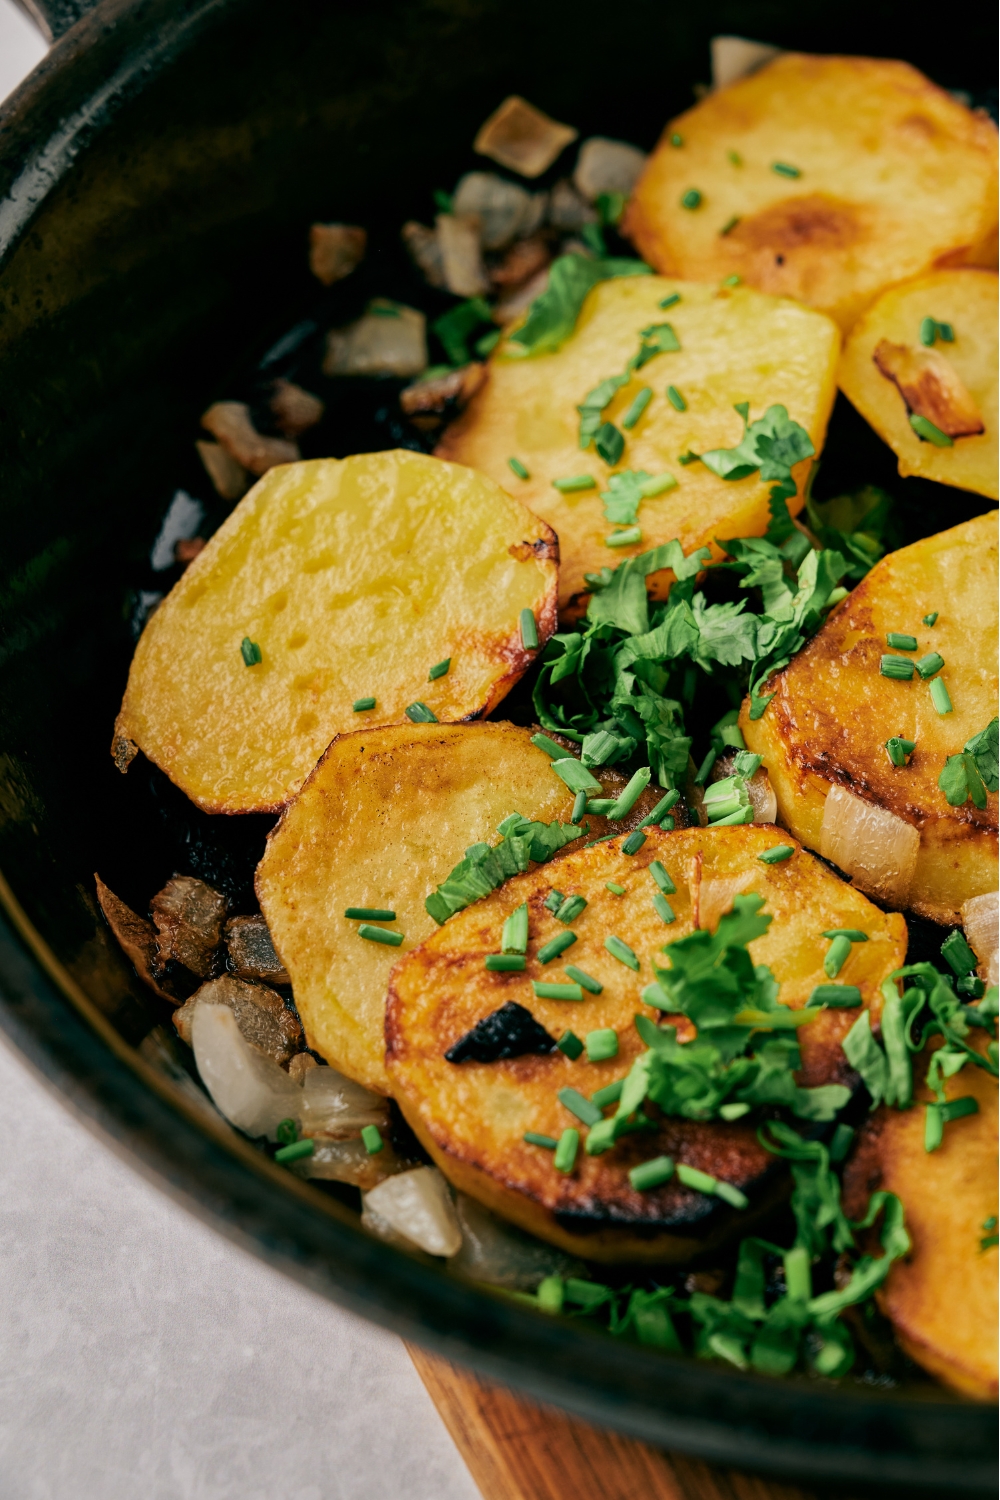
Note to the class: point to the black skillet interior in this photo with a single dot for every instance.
(153, 253)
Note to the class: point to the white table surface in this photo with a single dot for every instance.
(142, 1356)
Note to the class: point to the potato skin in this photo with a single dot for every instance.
(736, 345)
(471, 1117)
(942, 1299)
(896, 178)
(832, 711)
(968, 301)
(385, 816)
(353, 577)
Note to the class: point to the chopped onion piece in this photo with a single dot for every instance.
(715, 897)
(503, 208)
(522, 138)
(349, 1161)
(869, 843)
(502, 1255)
(389, 341)
(605, 166)
(418, 1206)
(335, 1105)
(734, 57)
(762, 798)
(251, 1090)
(461, 259)
(981, 919)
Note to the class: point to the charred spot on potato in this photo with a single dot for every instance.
(250, 951)
(805, 223)
(188, 915)
(544, 548)
(929, 384)
(511, 1031)
(261, 1014)
(137, 939)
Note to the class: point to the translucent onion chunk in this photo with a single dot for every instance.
(335, 1105)
(981, 919)
(869, 843)
(348, 1160)
(251, 1090)
(418, 1206)
(502, 1255)
(762, 798)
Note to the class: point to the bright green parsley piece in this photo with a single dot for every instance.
(505, 963)
(638, 406)
(676, 399)
(552, 949)
(547, 1142)
(634, 842)
(624, 538)
(380, 935)
(369, 914)
(529, 630)
(670, 301)
(621, 950)
(580, 1106)
(940, 696)
(440, 669)
(419, 713)
(250, 651)
(545, 991)
(931, 619)
(570, 1044)
(899, 749)
(734, 158)
(602, 1044)
(929, 664)
(729, 226)
(575, 482)
(928, 433)
(580, 976)
(372, 1139)
(733, 1111)
(614, 888)
(899, 641)
(651, 1174)
(569, 1145)
(296, 1152)
(837, 955)
(609, 443)
(691, 199)
(898, 667)
(784, 170)
(518, 468)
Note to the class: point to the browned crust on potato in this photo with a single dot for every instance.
(930, 386)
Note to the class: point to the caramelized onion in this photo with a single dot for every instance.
(981, 918)
(869, 843)
(418, 1206)
(251, 1090)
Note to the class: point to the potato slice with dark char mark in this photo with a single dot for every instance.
(885, 176)
(386, 816)
(832, 712)
(471, 1117)
(942, 1298)
(353, 578)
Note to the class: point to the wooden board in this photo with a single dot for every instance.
(516, 1449)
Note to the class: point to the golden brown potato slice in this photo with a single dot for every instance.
(384, 818)
(888, 374)
(472, 1116)
(827, 726)
(735, 345)
(820, 178)
(346, 579)
(942, 1299)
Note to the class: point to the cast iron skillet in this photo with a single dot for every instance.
(156, 175)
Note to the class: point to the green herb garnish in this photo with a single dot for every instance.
(900, 668)
(634, 842)
(505, 963)
(486, 867)
(362, 705)
(621, 950)
(901, 642)
(975, 771)
(250, 651)
(676, 399)
(552, 316)
(529, 630)
(544, 991)
(651, 1174)
(574, 483)
(784, 170)
(602, 1044)
(380, 935)
(372, 1140)
(569, 1144)
(928, 433)
(552, 949)
(419, 713)
(580, 976)
(570, 1044)
(776, 854)
(899, 749)
(638, 406)
(518, 468)
(369, 914)
(691, 199)
(440, 669)
(548, 1142)
(295, 1152)
(940, 697)
(929, 664)
(580, 1106)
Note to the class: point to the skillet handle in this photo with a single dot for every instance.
(53, 17)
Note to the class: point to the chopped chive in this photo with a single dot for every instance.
(836, 996)
(602, 1044)
(702, 774)
(630, 794)
(946, 333)
(609, 443)
(295, 1152)
(440, 669)
(898, 749)
(784, 170)
(931, 619)
(666, 823)
(635, 411)
(372, 1138)
(651, 1174)
(488, 342)
(578, 1104)
(569, 1145)
(663, 806)
(898, 667)
(731, 281)
(529, 630)
(676, 140)
(662, 878)
(957, 954)
(610, 1094)
(534, 1139)
(731, 1195)
(556, 991)
(670, 301)
(676, 399)
(776, 854)
(369, 914)
(505, 963)
(570, 1044)
(729, 226)
(518, 467)
(575, 482)
(733, 1111)
(514, 938)
(542, 742)
(691, 1177)
(614, 888)
(549, 1297)
(853, 934)
(601, 805)
(419, 713)
(735, 158)
(928, 331)
(688, 458)
(579, 807)
(622, 952)
(554, 900)
(901, 642)
(583, 978)
(570, 909)
(837, 955)
(940, 696)
(624, 538)
(552, 949)
(250, 651)
(574, 773)
(362, 705)
(929, 664)
(928, 433)
(380, 935)
(287, 1132)
(840, 1143)
(603, 840)
(691, 199)
(634, 842)
(663, 908)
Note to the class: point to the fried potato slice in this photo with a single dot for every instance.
(384, 818)
(351, 578)
(472, 1116)
(887, 374)
(833, 712)
(736, 345)
(826, 179)
(942, 1299)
